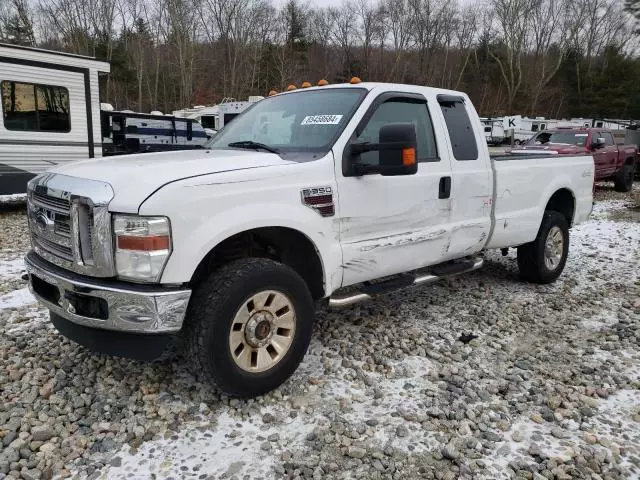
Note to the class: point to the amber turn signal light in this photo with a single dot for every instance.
(408, 156)
(143, 244)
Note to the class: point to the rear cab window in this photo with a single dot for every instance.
(456, 117)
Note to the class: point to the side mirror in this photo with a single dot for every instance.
(397, 147)
(598, 143)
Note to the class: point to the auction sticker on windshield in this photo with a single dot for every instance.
(321, 120)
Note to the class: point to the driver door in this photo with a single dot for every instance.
(393, 224)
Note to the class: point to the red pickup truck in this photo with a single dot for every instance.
(612, 162)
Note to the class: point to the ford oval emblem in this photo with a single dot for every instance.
(42, 222)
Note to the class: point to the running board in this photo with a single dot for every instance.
(369, 290)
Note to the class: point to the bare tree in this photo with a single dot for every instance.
(554, 26)
(511, 27)
(343, 33)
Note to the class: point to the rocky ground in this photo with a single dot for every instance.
(481, 377)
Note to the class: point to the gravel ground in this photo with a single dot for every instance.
(480, 376)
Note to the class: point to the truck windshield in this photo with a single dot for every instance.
(304, 121)
(566, 138)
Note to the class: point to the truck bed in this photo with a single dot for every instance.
(523, 185)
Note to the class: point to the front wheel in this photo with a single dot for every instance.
(543, 260)
(623, 182)
(249, 326)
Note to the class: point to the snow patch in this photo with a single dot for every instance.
(614, 416)
(10, 269)
(232, 446)
(13, 198)
(17, 299)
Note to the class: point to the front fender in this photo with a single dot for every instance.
(204, 215)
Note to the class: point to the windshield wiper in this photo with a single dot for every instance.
(253, 145)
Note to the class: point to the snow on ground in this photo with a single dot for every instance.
(11, 268)
(13, 200)
(386, 389)
(230, 447)
(600, 434)
(16, 299)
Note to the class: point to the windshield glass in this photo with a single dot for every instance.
(567, 138)
(305, 121)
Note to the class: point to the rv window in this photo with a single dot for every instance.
(534, 127)
(487, 129)
(229, 116)
(208, 121)
(30, 107)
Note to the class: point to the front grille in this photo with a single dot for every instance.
(58, 250)
(63, 225)
(70, 223)
(60, 205)
(50, 222)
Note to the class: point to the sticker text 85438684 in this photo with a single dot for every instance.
(321, 120)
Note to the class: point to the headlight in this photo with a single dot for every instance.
(143, 246)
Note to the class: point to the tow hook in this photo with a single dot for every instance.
(505, 251)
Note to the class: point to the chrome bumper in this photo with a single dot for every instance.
(104, 304)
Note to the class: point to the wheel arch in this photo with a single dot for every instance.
(284, 244)
(563, 201)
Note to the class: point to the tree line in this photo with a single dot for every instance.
(554, 58)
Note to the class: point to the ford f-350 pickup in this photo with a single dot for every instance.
(368, 186)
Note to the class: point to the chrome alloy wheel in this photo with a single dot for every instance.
(553, 248)
(262, 331)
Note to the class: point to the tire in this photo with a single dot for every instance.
(532, 259)
(623, 181)
(517, 142)
(215, 326)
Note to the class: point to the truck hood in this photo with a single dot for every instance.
(561, 148)
(135, 177)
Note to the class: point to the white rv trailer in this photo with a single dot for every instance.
(50, 112)
(217, 116)
(520, 129)
(128, 132)
(493, 130)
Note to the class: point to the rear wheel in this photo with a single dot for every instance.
(517, 142)
(249, 326)
(623, 182)
(543, 260)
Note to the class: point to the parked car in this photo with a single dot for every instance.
(612, 162)
(369, 186)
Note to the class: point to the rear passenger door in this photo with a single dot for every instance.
(600, 158)
(472, 185)
(611, 152)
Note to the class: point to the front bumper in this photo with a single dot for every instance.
(106, 304)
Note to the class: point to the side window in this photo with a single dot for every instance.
(534, 127)
(31, 107)
(608, 138)
(401, 111)
(463, 139)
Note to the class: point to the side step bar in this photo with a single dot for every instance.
(433, 274)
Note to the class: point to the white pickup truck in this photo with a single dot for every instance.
(368, 186)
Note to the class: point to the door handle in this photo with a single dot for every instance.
(444, 190)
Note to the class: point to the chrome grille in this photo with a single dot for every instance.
(70, 224)
(60, 205)
(58, 250)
